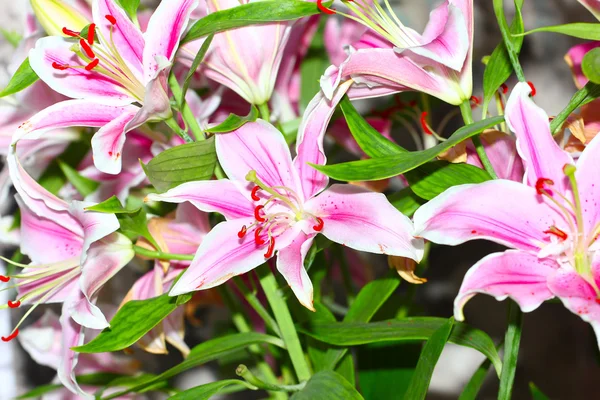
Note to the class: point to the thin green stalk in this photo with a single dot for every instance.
(256, 305)
(159, 255)
(243, 326)
(186, 111)
(264, 111)
(508, 41)
(285, 322)
(171, 123)
(243, 372)
(467, 114)
(512, 339)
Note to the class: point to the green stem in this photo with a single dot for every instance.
(512, 339)
(467, 114)
(159, 255)
(285, 322)
(186, 111)
(242, 325)
(508, 41)
(171, 123)
(264, 111)
(249, 377)
(257, 305)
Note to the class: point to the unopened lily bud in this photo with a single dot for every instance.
(406, 269)
(54, 15)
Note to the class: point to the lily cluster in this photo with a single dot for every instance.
(185, 145)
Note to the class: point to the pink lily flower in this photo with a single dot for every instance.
(73, 252)
(550, 222)
(107, 73)
(181, 235)
(390, 57)
(44, 341)
(275, 205)
(246, 60)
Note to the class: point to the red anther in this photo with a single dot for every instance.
(257, 239)
(540, 185)
(424, 123)
(324, 9)
(254, 195)
(504, 88)
(59, 67)
(69, 32)
(597, 300)
(91, 33)
(271, 248)
(4, 278)
(92, 65)
(242, 232)
(11, 336)
(475, 100)
(557, 232)
(533, 90)
(111, 19)
(14, 304)
(86, 48)
(257, 215)
(319, 226)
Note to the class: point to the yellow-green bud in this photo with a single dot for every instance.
(54, 15)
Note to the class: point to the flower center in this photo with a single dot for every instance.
(102, 57)
(45, 281)
(277, 208)
(382, 20)
(578, 251)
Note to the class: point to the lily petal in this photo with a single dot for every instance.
(105, 259)
(108, 142)
(222, 196)
(165, 28)
(588, 166)
(40, 340)
(69, 113)
(516, 219)
(516, 274)
(542, 157)
(95, 225)
(257, 146)
(365, 221)
(574, 57)
(446, 37)
(593, 6)
(72, 336)
(290, 264)
(127, 38)
(77, 83)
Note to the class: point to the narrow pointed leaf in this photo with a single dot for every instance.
(406, 201)
(130, 7)
(536, 393)
(251, 14)
(206, 391)
(84, 186)
(581, 30)
(24, 77)
(389, 166)
(586, 94)
(195, 64)
(327, 385)
(233, 122)
(188, 162)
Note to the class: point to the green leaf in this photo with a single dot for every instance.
(327, 385)
(581, 30)
(405, 329)
(472, 387)
(435, 177)
(498, 68)
(429, 357)
(84, 186)
(251, 14)
(111, 205)
(371, 141)
(512, 44)
(206, 391)
(512, 340)
(210, 350)
(130, 7)
(185, 163)
(130, 324)
(233, 122)
(586, 94)
(406, 201)
(135, 224)
(389, 166)
(536, 393)
(22, 79)
(12, 37)
(590, 65)
(39, 391)
(346, 368)
(195, 64)
(97, 379)
(368, 301)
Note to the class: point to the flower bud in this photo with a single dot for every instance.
(54, 15)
